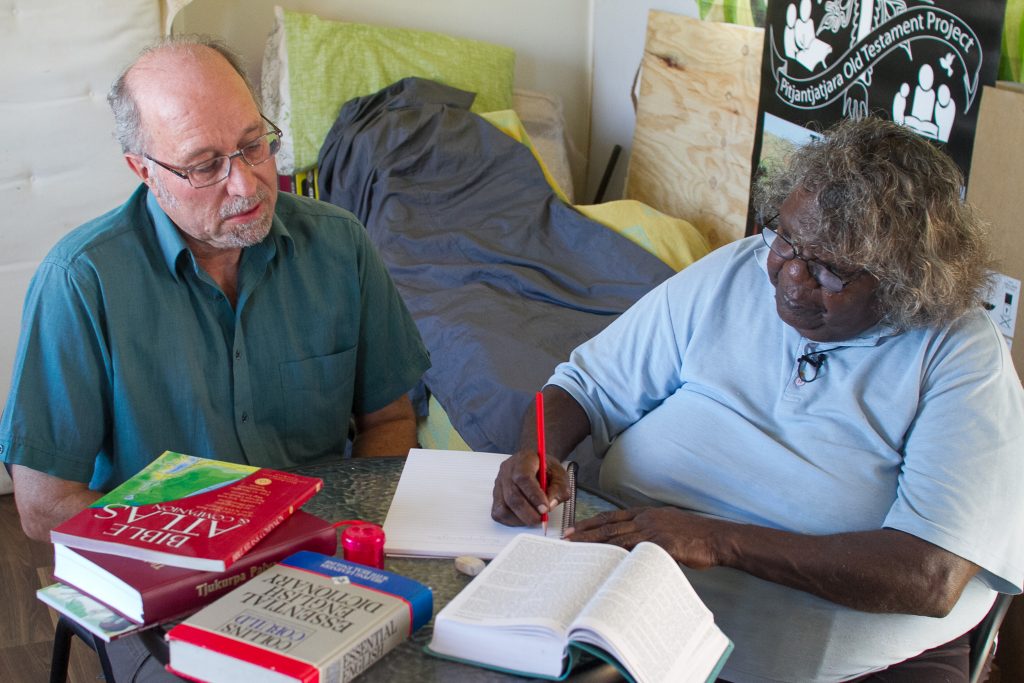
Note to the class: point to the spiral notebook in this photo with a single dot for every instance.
(442, 507)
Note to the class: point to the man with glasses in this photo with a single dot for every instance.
(209, 314)
(820, 423)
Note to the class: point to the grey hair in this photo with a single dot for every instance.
(888, 201)
(127, 118)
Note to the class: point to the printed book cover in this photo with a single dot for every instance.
(187, 511)
(148, 592)
(311, 618)
(93, 615)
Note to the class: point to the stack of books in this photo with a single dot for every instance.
(224, 550)
(175, 537)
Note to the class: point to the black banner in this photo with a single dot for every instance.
(920, 63)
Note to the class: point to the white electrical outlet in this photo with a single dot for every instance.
(1001, 303)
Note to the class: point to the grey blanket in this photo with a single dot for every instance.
(502, 278)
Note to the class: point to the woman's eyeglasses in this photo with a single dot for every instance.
(786, 250)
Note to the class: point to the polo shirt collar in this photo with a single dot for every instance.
(173, 246)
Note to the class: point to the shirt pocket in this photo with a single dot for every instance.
(318, 403)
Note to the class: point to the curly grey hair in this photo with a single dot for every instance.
(889, 202)
(127, 118)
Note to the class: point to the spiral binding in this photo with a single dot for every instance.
(569, 506)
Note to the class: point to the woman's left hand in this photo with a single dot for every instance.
(689, 538)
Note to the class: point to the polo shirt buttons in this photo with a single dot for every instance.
(245, 417)
(238, 354)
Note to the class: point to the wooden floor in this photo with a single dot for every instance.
(26, 625)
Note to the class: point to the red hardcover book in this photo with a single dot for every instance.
(188, 512)
(148, 593)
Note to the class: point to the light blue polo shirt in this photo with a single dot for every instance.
(128, 349)
(694, 399)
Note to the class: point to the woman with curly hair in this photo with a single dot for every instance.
(886, 203)
(820, 422)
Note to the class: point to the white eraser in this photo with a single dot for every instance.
(470, 566)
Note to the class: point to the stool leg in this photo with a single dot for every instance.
(61, 652)
(101, 652)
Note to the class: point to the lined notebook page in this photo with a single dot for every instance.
(442, 507)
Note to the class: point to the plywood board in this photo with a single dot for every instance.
(997, 167)
(695, 125)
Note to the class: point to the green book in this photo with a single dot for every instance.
(91, 614)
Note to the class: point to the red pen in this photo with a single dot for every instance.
(542, 473)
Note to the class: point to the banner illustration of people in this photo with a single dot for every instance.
(800, 39)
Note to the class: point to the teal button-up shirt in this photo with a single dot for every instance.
(128, 348)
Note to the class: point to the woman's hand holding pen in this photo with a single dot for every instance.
(518, 498)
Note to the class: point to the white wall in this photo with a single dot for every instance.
(620, 29)
(59, 163)
(551, 38)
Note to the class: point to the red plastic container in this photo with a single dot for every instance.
(364, 543)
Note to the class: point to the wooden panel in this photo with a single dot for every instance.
(997, 166)
(25, 663)
(26, 624)
(25, 618)
(695, 122)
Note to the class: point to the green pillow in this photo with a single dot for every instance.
(312, 66)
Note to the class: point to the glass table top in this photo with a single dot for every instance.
(362, 488)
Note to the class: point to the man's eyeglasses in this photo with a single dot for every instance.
(822, 273)
(212, 171)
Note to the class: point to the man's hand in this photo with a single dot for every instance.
(518, 498)
(687, 537)
(44, 501)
